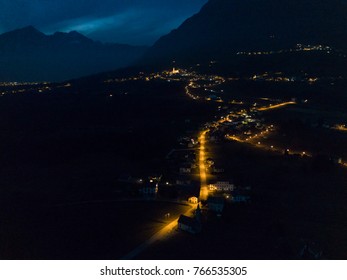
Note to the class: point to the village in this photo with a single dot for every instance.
(208, 175)
(193, 174)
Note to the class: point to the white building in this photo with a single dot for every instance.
(222, 186)
(193, 200)
(185, 170)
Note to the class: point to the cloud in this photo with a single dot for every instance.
(135, 21)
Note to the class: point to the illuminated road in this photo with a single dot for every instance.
(160, 235)
(277, 106)
(202, 166)
(204, 191)
(340, 128)
(257, 141)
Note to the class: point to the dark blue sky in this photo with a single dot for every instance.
(122, 21)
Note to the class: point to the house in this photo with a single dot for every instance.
(149, 188)
(241, 197)
(188, 224)
(185, 170)
(191, 224)
(216, 204)
(222, 186)
(217, 170)
(193, 200)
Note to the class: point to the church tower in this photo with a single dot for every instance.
(198, 214)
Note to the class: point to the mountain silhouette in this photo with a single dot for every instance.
(29, 55)
(225, 27)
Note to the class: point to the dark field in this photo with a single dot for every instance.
(69, 146)
(72, 145)
(103, 230)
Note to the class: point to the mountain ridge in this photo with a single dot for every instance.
(223, 27)
(27, 54)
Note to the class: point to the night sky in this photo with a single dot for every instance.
(138, 22)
